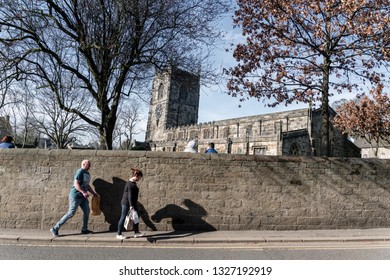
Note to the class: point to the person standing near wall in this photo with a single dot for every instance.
(78, 196)
(211, 149)
(192, 147)
(129, 202)
(7, 143)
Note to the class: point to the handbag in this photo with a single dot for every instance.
(95, 209)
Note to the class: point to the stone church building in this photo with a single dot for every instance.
(173, 116)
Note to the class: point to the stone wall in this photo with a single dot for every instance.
(184, 191)
(383, 152)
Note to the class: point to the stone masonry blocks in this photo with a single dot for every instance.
(183, 191)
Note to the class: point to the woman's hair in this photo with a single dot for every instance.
(7, 139)
(136, 172)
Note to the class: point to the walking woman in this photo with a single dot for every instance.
(129, 201)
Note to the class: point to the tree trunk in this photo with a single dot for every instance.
(106, 131)
(325, 143)
(109, 134)
(377, 146)
(102, 140)
(105, 140)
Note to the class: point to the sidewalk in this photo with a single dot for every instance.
(347, 235)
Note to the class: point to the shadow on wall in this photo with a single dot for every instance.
(185, 222)
(110, 199)
(182, 219)
(111, 196)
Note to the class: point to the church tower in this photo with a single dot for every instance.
(174, 102)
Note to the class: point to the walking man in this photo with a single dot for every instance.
(78, 196)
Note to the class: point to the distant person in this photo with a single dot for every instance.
(130, 202)
(211, 149)
(7, 143)
(191, 147)
(78, 196)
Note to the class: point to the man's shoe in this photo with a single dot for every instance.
(121, 237)
(54, 232)
(138, 234)
(86, 231)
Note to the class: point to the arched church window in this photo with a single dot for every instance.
(206, 134)
(160, 91)
(226, 132)
(295, 149)
(260, 126)
(249, 131)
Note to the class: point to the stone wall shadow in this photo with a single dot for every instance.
(110, 199)
(184, 221)
(110, 202)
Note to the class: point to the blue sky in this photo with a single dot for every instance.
(215, 103)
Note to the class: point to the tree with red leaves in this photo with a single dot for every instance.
(366, 117)
(306, 50)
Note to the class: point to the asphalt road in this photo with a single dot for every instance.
(289, 251)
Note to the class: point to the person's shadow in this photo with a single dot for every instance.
(110, 197)
(185, 222)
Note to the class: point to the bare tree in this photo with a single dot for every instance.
(4, 88)
(106, 44)
(20, 107)
(61, 127)
(128, 121)
(302, 50)
(7, 79)
(4, 117)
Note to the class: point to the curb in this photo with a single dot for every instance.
(24, 236)
(187, 240)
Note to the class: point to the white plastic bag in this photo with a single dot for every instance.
(128, 225)
(131, 218)
(134, 216)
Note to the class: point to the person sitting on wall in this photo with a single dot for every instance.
(210, 149)
(7, 142)
(191, 147)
